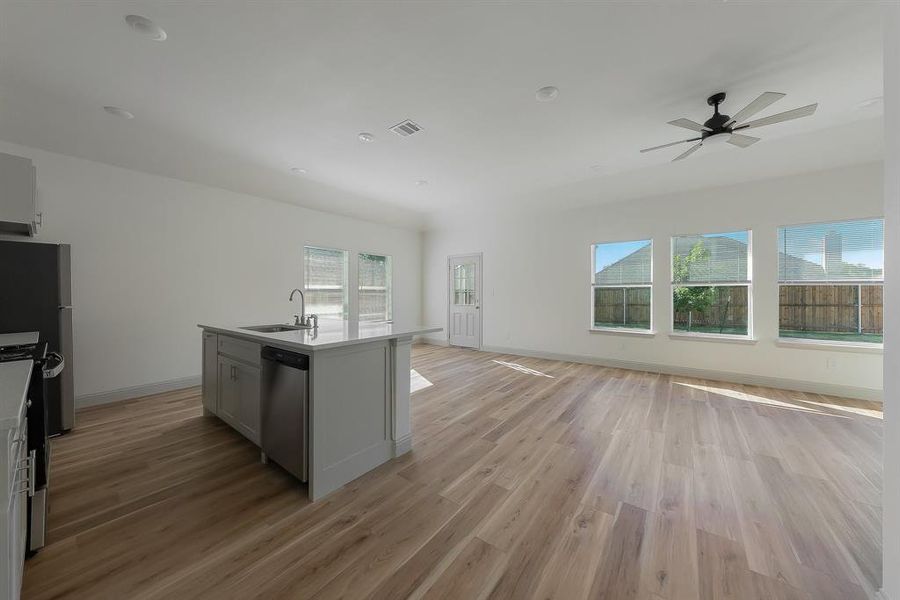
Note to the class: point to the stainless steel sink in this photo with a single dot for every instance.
(275, 328)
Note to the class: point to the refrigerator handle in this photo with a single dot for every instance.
(67, 377)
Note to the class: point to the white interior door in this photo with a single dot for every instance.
(465, 301)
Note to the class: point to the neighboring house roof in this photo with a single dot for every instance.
(851, 271)
(726, 258)
(798, 269)
(634, 268)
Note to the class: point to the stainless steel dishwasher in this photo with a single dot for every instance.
(285, 409)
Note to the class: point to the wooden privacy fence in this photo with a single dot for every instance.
(825, 308)
(835, 308)
(728, 311)
(622, 306)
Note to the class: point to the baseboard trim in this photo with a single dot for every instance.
(830, 389)
(402, 445)
(136, 391)
(434, 341)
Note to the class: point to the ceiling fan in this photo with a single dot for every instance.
(722, 128)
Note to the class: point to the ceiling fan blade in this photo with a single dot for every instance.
(670, 144)
(688, 152)
(761, 102)
(803, 111)
(688, 124)
(742, 141)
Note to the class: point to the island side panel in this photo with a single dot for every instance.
(350, 413)
(400, 384)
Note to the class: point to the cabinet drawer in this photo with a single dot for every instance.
(239, 349)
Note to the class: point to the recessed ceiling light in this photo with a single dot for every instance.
(421, 182)
(598, 167)
(146, 28)
(298, 171)
(871, 102)
(118, 112)
(546, 94)
(366, 137)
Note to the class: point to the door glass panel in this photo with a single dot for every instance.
(464, 284)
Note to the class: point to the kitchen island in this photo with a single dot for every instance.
(356, 415)
(15, 465)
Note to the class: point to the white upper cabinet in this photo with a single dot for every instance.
(18, 201)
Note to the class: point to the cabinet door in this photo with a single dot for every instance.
(16, 530)
(228, 397)
(17, 193)
(248, 390)
(210, 372)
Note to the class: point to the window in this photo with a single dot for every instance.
(830, 279)
(621, 290)
(325, 274)
(711, 283)
(464, 284)
(374, 287)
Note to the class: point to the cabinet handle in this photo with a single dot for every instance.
(26, 484)
(31, 473)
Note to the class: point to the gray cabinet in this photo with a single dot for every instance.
(210, 373)
(238, 396)
(19, 471)
(248, 381)
(18, 198)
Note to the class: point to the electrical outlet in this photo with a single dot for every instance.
(830, 363)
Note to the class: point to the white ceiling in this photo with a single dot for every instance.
(241, 92)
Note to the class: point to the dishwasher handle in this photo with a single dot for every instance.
(288, 359)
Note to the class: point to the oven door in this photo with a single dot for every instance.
(39, 444)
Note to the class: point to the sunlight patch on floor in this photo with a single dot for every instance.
(522, 369)
(795, 405)
(417, 382)
(856, 410)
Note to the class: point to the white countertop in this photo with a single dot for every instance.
(15, 339)
(331, 333)
(14, 379)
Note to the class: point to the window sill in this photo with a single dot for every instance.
(860, 347)
(623, 331)
(713, 337)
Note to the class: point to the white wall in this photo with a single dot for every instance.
(537, 276)
(152, 257)
(891, 501)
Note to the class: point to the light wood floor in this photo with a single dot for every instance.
(528, 479)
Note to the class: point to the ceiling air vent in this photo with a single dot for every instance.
(406, 128)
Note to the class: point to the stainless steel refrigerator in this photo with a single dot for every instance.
(36, 295)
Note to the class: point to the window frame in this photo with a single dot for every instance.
(749, 337)
(389, 290)
(651, 330)
(813, 343)
(345, 314)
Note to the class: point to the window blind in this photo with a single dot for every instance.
(374, 287)
(325, 276)
(831, 252)
(710, 259)
(623, 263)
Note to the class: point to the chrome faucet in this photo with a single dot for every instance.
(302, 320)
(299, 319)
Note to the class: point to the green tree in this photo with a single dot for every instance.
(690, 299)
